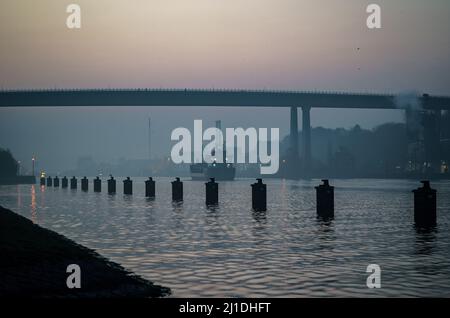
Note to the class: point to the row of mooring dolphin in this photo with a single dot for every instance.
(424, 197)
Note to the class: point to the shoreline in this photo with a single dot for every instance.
(35, 259)
(17, 180)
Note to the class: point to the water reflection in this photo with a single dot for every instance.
(177, 206)
(425, 240)
(259, 230)
(127, 198)
(150, 199)
(111, 197)
(42, 196)
(19, 197)
(213, 208)
(228, 250)
(212, 215)
(33, 204)
(325, 233)
(424, 248)
(260, 217)
(324, 220)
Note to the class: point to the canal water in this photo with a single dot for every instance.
(230, 251)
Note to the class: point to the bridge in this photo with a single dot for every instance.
(225, 98)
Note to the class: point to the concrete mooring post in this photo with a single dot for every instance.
(64, 182)
(425, 205)
(212, 192)
(150, 188)
(259, 196)
(56, 182)
(112, 185)
(84, 184)
(73, 183)
(49, 181)
(177, 190)
(128, 186)
(97, 185)
(325, 200)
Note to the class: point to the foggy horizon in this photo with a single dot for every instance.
(52, 132)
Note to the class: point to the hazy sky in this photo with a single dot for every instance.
(280, 44)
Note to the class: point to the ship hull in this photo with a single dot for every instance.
(220, 172)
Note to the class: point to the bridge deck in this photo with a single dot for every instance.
(224, 98)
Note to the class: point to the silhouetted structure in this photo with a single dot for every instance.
(128, 186)
(425, 205)
(49, 181)
(9, 167)
(10, 170)
(292, 160)
(212, 192)
(56, 182)
(111, 185)
(42, 181)
(64, 182)
(306, 132)
(325, 200)
(150, 188)
(223, 171)
(259, 196)
(426, 140)
(73, 183)
(177, 190)
(84, 184)
(97, 185)
(221, 98)
(431, 122)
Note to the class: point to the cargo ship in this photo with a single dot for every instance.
(219, 171)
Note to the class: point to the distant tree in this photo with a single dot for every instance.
(390, 141)
(343, 162)
(8, 165)
(445, 125)
(358, 151)
(445, 136)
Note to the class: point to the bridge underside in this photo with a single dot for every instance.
(126, 97)
(300, 162)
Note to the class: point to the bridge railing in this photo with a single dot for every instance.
(196, 90)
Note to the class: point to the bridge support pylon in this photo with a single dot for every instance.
(306, 133)
(293, 137)
(293, 160)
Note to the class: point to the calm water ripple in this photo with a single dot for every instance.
(230, 251)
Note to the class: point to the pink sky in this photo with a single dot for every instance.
(287, 44)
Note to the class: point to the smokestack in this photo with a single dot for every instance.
(149, 139)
